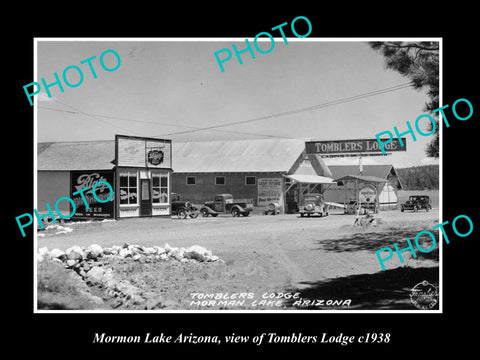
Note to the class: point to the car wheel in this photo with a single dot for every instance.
(247, 213)
(235, 212)
(182, 214)
(302, 214)
(193, 214)
(415, 208)
(214, 215)
(402, 210)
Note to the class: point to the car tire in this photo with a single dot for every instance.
(182, 214)
(235, 212)
(247, 213)
(214, 215)
(193, 214)
(302, 214)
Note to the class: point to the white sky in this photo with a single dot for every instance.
(165, 83)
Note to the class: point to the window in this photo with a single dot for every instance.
(250, 180)
(191, 180)
(219, 180)
(160, 188)
(128, 188)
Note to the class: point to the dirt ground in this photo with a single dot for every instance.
(314, 259)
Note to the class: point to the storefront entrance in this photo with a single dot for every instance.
(146, 198)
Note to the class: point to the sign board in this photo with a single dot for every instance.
(367, 194)
(362, 146)
(143, 152)
(269, 191)
(83, 179)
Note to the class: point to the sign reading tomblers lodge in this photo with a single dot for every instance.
(362, 146)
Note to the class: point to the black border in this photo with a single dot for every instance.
(412, 334)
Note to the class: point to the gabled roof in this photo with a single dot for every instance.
(379, 171)
(361, 178)
(77, 155)
(262, 155)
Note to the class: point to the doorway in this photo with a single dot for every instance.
(145, 198)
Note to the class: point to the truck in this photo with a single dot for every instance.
(224, 203)
(183, 208)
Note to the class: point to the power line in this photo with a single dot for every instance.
(95, 116)
(314, 107)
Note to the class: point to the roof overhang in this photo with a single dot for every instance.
(310, 179)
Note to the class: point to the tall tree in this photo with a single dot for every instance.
(419, 62)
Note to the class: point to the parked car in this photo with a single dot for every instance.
(183, 208)
(314, 204)
(224, 203)
(417, 202)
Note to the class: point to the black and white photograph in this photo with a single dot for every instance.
(228, 186)
(258, 181)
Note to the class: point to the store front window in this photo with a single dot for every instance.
(128, 188)
(160, 188)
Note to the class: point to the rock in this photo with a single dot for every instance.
(86, 266)
(75, 248)
(73, 255)
(150, 251)
(57, 254)
(93, 251)
(126, 245)
(95, 275)
(168, 248)
(177, 253)
(124, 253)
(110, 251)
(164, 256)
(43, 251)
(159, 250)
(197, 252)
(213, 258)
(40, 258)
(183, 260)
(71, 263)
(137, 257)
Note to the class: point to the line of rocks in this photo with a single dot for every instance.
(86, 263)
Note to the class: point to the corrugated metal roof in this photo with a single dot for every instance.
(380, 171)
(81, 155)
(262, 155)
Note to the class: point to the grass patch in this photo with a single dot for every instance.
(59, 289)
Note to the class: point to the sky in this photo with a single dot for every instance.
(171, 87)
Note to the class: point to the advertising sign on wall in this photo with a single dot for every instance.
(362, 146)
(143, 152)
(82, 179)
(269, 191)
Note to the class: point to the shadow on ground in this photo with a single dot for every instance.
(383, 290)
(376, 240)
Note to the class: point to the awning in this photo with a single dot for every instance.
(310, 179)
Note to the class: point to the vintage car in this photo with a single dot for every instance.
(313, 204)
(182, 208)
(224, 203)
(417, 202)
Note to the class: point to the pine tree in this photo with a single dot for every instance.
(418, 61)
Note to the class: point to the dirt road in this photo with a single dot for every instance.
(317, 258)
